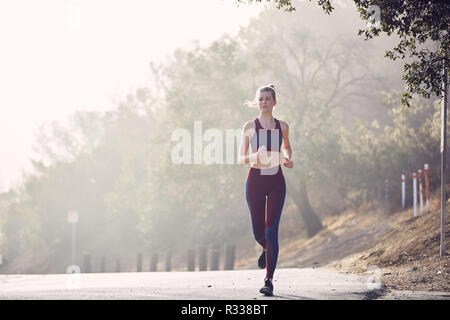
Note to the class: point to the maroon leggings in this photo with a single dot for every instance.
(262, 183)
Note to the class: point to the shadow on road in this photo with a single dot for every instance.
(289, 297)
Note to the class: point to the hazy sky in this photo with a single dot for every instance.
(60, 56)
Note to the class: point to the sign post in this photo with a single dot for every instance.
(443, 157)
(72, 218)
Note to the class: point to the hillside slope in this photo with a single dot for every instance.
(408, 256)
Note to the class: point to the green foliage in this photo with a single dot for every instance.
(20, 225)
(400, 148)
(423, 29)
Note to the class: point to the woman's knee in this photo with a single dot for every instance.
(259, 237)
(271, 234)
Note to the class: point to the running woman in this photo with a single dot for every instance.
(265, 184)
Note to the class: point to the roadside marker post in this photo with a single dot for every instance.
(415, 194)
(427, 188)
(420, 193)
(403, 191)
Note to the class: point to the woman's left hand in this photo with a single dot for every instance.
(288, 163)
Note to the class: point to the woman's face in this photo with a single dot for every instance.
(266, 101)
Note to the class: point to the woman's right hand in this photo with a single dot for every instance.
(262, 155)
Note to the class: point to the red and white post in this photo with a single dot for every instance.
(415, 194)
(403, 191)
(420, 193)
(427, 188)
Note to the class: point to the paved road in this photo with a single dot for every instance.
(290, 284)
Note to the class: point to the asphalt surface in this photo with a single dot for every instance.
(289, 284)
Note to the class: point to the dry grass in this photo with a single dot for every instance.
(408, 256)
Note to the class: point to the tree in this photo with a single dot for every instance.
(423, 28)
(207, 84)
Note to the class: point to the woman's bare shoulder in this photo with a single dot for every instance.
(283, 125)
(250, 124)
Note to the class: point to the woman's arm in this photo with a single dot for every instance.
(286, 145)
(243, 148)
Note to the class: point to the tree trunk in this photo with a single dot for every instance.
(298, 193)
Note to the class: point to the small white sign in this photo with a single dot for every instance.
(72, 217)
